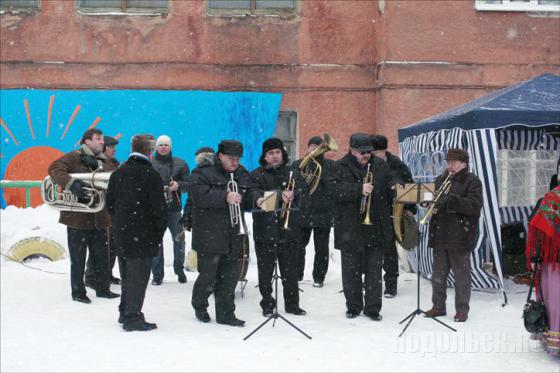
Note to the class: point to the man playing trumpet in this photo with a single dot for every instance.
(219, 197)
(453, 233)
(276, 234)
(362, 188)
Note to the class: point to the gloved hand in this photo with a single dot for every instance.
(89, 161)
(77, 189)
(442, 202)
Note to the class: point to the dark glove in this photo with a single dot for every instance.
(90, 161)
(77, 189)
(442, 202)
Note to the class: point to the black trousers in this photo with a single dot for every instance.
(390, 266)
(460, 263)
(321, 261)
(135, 273)
(354, 264)
(287, 255)
(79, 242)
(90, 273)
(219, 274)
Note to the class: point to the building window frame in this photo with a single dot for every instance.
(124, 10)
(253, 11)
(290, 142)
(515, 6)
(17, 9)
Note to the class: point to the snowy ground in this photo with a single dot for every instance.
(42, 329)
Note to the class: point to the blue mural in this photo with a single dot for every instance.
(34, 120)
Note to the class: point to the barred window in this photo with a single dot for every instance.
(286, 130)
(251, 7)
(518, 5)
(18, 5)
(146, 7)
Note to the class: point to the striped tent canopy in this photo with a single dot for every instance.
(525, 116)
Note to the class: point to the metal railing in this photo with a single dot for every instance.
(26, 184)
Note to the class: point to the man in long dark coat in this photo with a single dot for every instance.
(453, 233)
(317, 218)
(218, 241)
(362, 245)
(272, 241)
(137, 206)
(86, 231)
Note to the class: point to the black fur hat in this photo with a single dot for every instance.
(270, 144)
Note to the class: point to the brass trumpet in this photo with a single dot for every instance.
(366, 200)
(441, 191)
(286, 206)
(235, 213)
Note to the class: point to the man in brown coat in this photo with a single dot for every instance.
(85, 230)
(453, 233)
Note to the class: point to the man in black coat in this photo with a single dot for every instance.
(137, 206)
(218, 241)
(452, 234)
(174, 173)
(402, 175)
(362, 245)
(317, 217)
(272, 241)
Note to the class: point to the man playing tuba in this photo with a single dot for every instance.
(86, 231)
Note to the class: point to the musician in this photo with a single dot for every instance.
(317, 218)
(403, 175)
(137, 206)
(86, 231)
(110, 164)
(453, 233)
(218, 242)
(362, 245)
(272, 242)
(174, 172)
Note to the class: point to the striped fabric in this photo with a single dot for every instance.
(526, 139)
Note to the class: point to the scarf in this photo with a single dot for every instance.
(544, 229)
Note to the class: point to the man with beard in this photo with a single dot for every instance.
(362, 245)
(174, 172)
(86, 231)
(272, 242)
(403, 175)
(218, 241)
(137, 206)
(317, 218)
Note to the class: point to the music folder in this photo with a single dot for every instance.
(411, 194)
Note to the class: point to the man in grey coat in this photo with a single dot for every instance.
(175, 173)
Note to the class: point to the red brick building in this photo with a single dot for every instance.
(343, 66)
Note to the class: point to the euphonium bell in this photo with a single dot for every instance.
(310, 168)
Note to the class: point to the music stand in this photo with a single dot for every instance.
(421, 190)
(275, 314)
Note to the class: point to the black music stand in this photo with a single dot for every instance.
(275, 314)
(418, 310)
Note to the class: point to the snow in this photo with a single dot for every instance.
(42, 329)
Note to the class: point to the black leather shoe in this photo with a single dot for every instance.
(156, 282)
(390, 293)
(297, 311)
(202, 315)
(234, 321)
(139, 325)
(182, 278)
(352, 314)
(115, 280)
(267, 313)
(374, 316)
(107, 294)
(318, 284)
(81, 298)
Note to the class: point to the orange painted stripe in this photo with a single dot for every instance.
(118, 136)
(26, 104)
(76, 110)
(95, 123)
(9, 132)
(49, 116)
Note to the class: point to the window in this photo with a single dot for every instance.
(524, 175)
(286, 130)
(251, 7)
(518, 5)
(18, 5)
(142, 7)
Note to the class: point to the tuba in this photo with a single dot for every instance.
(63, 200)
(311, 168)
